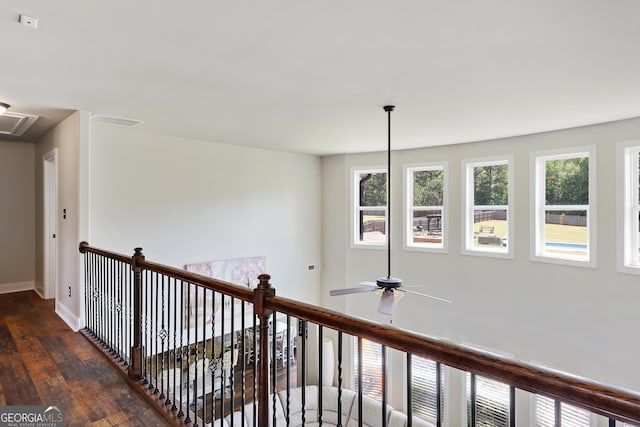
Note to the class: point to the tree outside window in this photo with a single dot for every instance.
(370, 203)
(488, 207)
(563, 200)
(426, 196)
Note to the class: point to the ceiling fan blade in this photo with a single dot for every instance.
(356, 290)
(373, 285)
(386, 303)
(425, 295)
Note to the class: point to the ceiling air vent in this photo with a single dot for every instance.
(16, 124)
(114, 120)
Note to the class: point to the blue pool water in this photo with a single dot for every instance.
(570, 246)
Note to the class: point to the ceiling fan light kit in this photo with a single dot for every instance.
(389, 288)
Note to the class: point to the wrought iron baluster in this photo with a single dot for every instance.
(473, 402)
(163, 337)
(213, 357)
(321, 379)
(187, 419)
(409, 380)
(512, 406)
(384, 385)
(303, 378)
(274, 364)
(182, 326)
(439, 395)
(360, 381)
(340, 379)
(288, 356)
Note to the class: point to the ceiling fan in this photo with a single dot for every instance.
(390, 288)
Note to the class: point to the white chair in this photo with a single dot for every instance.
(229, 360)
(285, 349)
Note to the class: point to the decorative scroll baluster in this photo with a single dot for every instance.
(156, 333)
(187, 419)
(213, 356)
(243, 345)
(163, 337)
(180, 411)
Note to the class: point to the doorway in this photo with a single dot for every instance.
(50, 239)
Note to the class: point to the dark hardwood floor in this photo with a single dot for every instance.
(43, 362)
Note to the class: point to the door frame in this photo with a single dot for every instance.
(50, 237)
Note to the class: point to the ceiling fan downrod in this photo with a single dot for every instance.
(389, 282)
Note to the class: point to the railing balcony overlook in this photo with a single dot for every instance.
(207, 352)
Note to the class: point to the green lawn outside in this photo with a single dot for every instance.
(553, 232)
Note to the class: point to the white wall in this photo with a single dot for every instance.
(17, 216)
(187, 201)
(580, 320)
(67, 137)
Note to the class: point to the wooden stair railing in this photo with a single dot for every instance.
(608, 401)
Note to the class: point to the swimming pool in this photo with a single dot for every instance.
(567, 246)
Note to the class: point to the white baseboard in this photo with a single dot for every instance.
(39, 292)
(6, 288)
(69, 318)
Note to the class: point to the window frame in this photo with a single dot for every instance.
(593, 418)
(356, 208)
(538, 205)
(366, 360)
(468, 207)
(409, 208)
(628, 206)
(464, 384)
(445, 384)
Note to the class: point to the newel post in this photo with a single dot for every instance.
(135, 369)
(260, 294)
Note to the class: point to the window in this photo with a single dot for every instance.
(629, 230)
(426, 205)
(492, 401)
(424, 391)
(370, 207)
(488, 207)
(570, 416)
(564, 207)
(371, 368)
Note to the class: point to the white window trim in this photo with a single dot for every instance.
(354, 240)
(537, 197)
(593, 417)
(408, 207)
(627, 165)
(467, 207)
(445, 378)
(463, 383)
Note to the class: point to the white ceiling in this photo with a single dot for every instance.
(312, 76)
